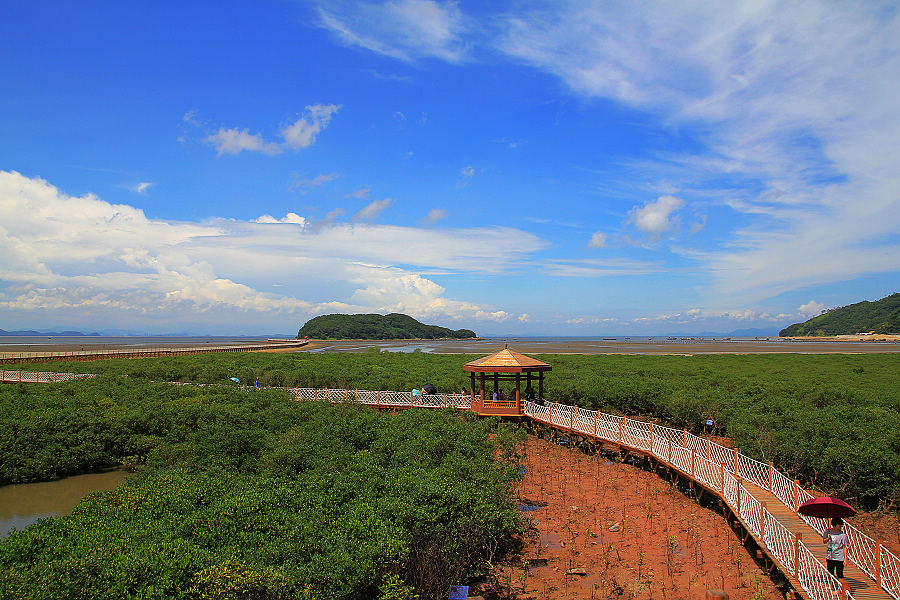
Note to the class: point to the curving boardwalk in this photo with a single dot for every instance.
(758, 495)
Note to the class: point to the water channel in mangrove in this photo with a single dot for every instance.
(24, 503)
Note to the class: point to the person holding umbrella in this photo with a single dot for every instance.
(825, 507)
(836, 540)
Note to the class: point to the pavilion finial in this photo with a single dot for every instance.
(505, 346)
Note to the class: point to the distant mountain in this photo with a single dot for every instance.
(376, 327)
(881, 316)
(31, 332)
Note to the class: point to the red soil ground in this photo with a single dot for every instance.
(631, 533)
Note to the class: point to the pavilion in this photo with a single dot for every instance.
(505, 365)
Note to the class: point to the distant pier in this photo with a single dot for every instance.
(105, 353)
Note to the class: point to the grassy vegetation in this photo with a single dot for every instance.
(251, 495)
(828, 420)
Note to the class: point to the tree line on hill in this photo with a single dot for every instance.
(881, 316)
(393, 326)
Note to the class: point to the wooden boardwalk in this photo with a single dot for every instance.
(862, 587)
(104, 353)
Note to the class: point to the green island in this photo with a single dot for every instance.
(393, 326)
(880, 316)
(247, 494)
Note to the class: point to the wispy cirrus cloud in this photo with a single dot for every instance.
(373, 209)
(304, 186)
(782, 100)
(407, 30)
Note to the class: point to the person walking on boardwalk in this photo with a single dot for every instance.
(836, 540)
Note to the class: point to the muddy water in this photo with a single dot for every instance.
(23, 504)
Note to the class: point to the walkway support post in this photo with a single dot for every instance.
(738, 494)
(670, 451)
(620, 430)
(572, 414)
(736, 450)
(797, 539)
(796, 496)
(845, 587)
(596, 419)
(651, 438)
(693, 460)
(771, 474)
(762, 522)
(878, 564)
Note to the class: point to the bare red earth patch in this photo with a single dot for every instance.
(605, 529)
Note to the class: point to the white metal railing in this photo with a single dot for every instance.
(40, 376)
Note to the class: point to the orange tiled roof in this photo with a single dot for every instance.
(506, 360)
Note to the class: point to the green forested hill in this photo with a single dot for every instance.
(881, 316)
(394, 326)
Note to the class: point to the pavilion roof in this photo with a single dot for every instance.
(506, 361)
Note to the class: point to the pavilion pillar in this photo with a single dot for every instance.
(482, 390)
(472, 385)
(541, 385)
(518, 395)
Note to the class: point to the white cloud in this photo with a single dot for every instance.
(302, 132)
(467, 171)
(599, 267)
(289, 218)
(794, 103)
(140, 188)
(360, 193)
(373, 209)
(653, 217)
(80, 259)
(304, 186)
(810, 309)
(299, 134)
(434, 215)
(598, 240)
(234, 141)
(407, 30)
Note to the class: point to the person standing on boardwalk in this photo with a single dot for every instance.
(836, 540)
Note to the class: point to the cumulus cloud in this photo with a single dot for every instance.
(408, 30)
(653, 217)
(302, 132)
(299, 134)
(291, 218)
(235, 141)
(811, 309)
(373, 209)
(598, 240)
(434, 215)
(110, 265)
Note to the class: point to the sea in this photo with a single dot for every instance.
(549, 344)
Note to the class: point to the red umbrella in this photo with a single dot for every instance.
(826, 507)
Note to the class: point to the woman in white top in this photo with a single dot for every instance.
(836, 540)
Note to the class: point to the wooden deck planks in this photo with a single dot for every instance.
(862, 587)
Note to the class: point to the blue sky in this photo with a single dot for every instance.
(543, 168)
